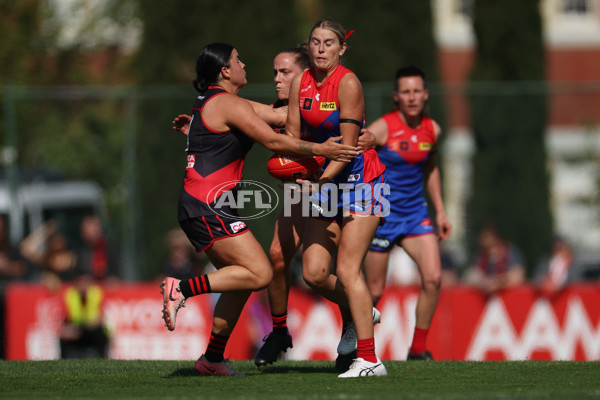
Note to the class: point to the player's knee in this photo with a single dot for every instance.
(432, 281)
(348, 273)
(263, 277)
(315, 278)
(376, 294)
(277, 259)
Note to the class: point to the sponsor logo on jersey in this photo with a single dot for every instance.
(328, 106)
(424, 146)
(414, 139)
(306, 89)
(426, 222)
(317, 208)
(201, 97)
(318, 97)
(383, 243)
(237, 226)
(191, 159)
(396, 134)
(358, 207)
(306, 103)
(353, 178)
(404, 145)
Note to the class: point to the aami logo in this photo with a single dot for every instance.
(237, 226)
(424, 146)
(328, 106)
(191, 159)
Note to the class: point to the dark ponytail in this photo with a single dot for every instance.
(211, 59)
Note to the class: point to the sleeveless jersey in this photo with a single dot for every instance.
(214, 162)
(405, 154)
(320, 113)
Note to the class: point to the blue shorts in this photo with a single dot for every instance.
(335, 201)
(393, 231)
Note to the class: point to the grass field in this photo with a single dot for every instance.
(111, 379)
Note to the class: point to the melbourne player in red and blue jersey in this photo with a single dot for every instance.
(327, 101)
(320, 113)
(407, 139)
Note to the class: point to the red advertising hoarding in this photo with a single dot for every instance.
(517, 324)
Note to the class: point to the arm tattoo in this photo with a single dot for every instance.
(305, 146)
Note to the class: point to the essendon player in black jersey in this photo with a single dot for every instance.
(221, 132)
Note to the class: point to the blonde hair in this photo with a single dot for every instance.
(333, 26)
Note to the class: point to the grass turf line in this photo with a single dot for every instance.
(114, 379)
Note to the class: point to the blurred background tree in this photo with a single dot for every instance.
(135, 62)
(510, 180)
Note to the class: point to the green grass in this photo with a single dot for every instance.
(111, 379)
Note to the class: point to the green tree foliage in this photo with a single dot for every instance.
(386, 37)
(510, 181)
(22, 42)
(77, 132)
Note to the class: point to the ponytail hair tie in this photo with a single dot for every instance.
(348, 33)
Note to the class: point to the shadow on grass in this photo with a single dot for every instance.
(305, 369)
(272, 369)
(183, 372)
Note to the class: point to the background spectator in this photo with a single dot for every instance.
(95, 256)
(83, 334)
(12, 265)
(182, 260)
(499, 264)
(554, 272)
(48, 250)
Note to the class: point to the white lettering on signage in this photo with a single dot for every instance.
(315, 333)
(541, 332)
(396, 328)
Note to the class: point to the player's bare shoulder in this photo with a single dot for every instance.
(351, 82)
(437, 130)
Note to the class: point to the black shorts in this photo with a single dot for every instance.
(203, 231)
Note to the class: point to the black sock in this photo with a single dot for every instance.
(280, 324)
(195, 286)
(216, 348)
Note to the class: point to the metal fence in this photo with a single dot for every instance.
(94, 133)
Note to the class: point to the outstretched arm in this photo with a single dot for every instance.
(433, 185)
(240, 115)
(182, 123)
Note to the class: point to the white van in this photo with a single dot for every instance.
(65, 202)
